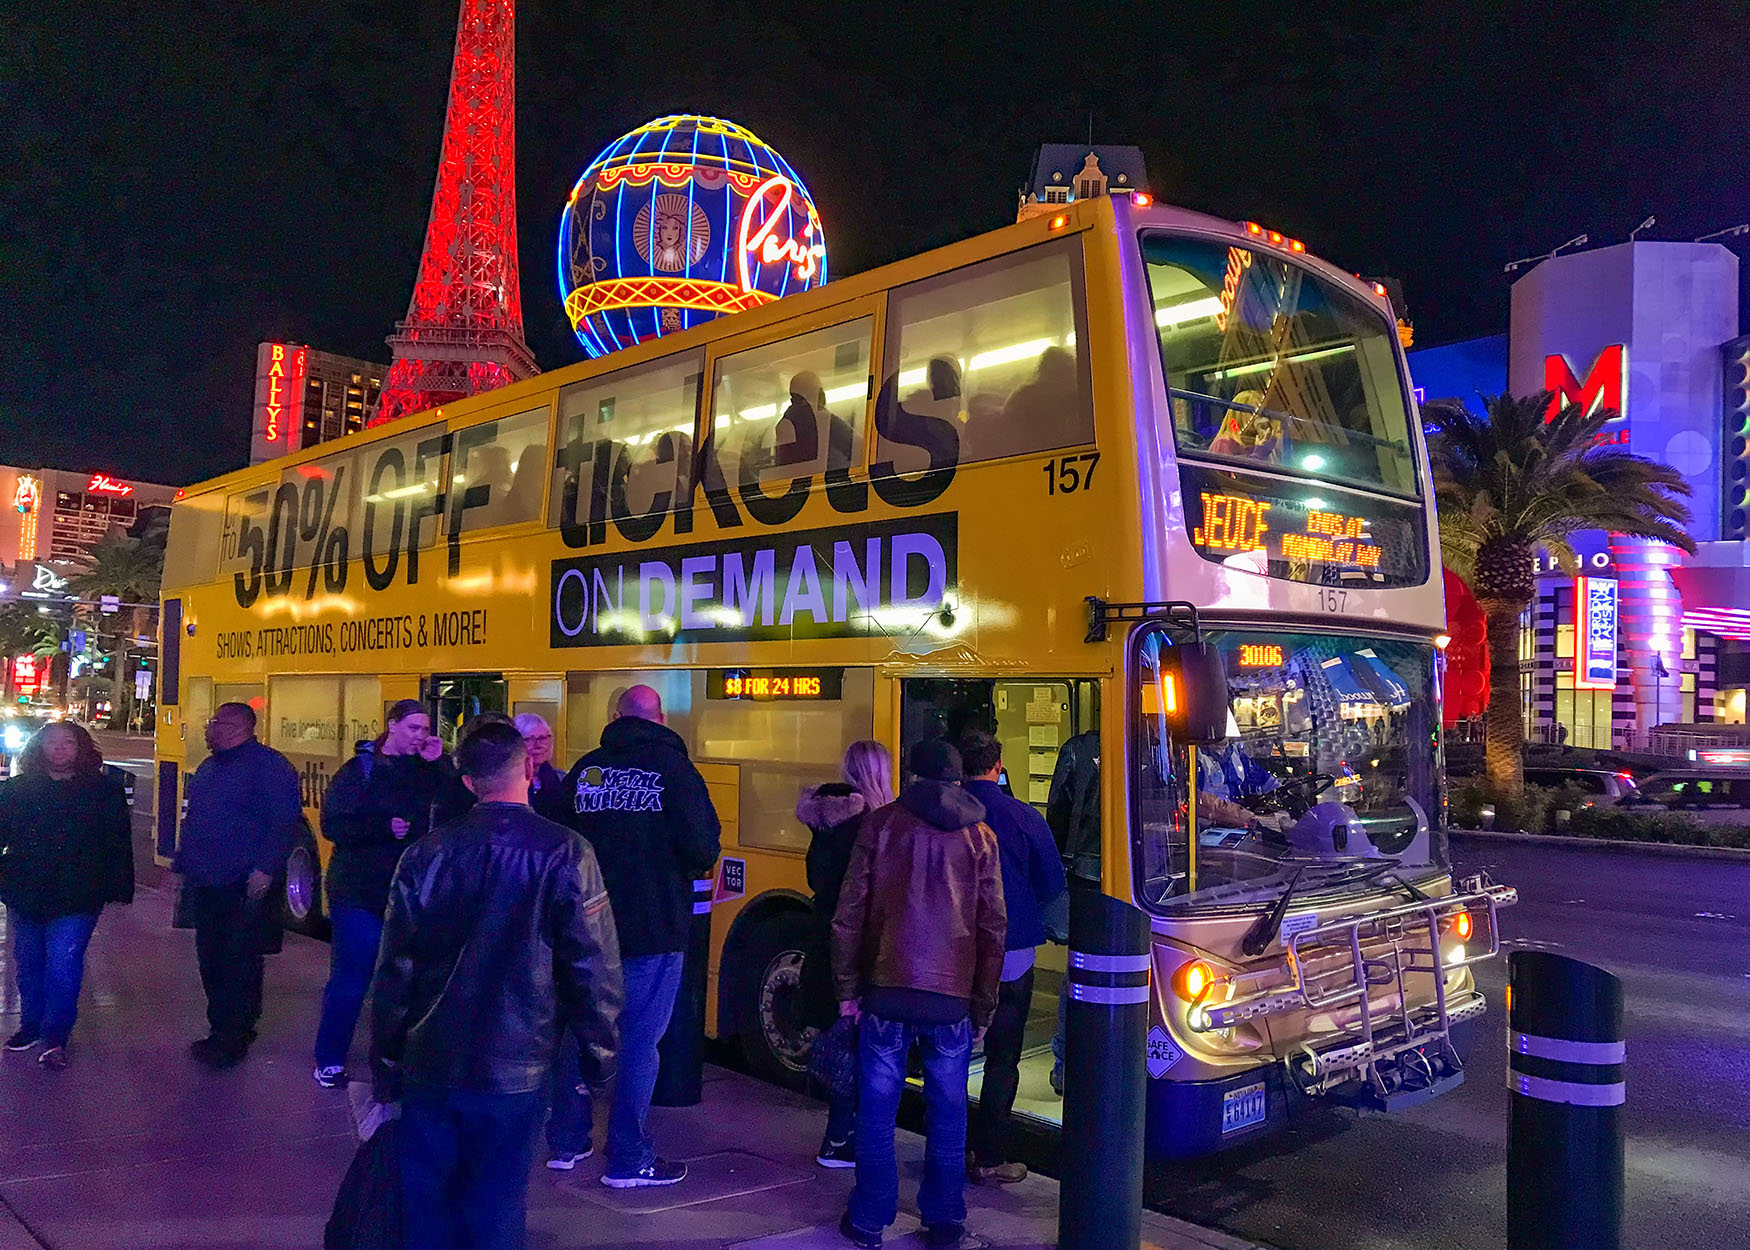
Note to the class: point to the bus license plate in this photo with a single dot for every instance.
(1242, 1108)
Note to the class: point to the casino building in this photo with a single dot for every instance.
(53, 516)
(1645, 648)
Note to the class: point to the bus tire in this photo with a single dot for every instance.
(774, 1038)
(301, 903)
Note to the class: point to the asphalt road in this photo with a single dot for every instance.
(1676, 929)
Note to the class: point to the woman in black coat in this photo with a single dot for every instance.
(834, 814)
(378, 804)
(66, 849)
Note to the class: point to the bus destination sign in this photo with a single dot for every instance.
(1309, 532)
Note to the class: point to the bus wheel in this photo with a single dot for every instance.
(303, 897)
(773, 1029)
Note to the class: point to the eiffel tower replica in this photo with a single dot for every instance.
(464, 328)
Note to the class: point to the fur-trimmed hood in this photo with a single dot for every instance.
(823, 807)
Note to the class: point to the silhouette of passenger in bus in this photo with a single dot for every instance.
(928, 419)
(1046, 402)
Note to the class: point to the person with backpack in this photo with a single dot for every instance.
(378, 805)
(66, 850)
(833, 813)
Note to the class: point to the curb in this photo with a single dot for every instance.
(1575, 843)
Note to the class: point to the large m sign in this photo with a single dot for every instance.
(1605, 385)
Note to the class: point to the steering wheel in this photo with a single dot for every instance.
(1298, 794)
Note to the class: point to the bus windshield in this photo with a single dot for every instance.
(1329, 774)
(1271, 365)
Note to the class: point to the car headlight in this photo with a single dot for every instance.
(16, 738)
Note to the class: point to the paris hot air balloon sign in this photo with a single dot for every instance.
(680, 221)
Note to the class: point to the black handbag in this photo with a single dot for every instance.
(833, 1061)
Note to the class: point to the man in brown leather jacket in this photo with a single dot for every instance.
(918, 955)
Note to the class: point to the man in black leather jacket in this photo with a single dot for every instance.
(499, 927)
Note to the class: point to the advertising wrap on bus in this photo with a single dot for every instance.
(843, 582)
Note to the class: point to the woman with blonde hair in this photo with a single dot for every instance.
(834, 813)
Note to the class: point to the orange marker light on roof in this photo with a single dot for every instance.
(1379, 288)
(1275, 237)
(1058, 222)
(1296, 245)
(1253, 227)
(1142, 199)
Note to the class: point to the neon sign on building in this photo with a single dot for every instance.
(1595, 622)
(27, 498)
(104, 484)
(1606, 386)
(682, 220)
(279, 390)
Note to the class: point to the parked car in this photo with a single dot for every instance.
(1715, 796)
(1603, 787)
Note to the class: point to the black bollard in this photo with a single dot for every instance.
(680, 1079)
(1104, 1074)
(1565, 1055)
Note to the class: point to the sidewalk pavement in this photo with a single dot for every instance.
(137, 1147)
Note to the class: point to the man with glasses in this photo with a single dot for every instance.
(244, 814)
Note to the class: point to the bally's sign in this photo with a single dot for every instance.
(879, 577)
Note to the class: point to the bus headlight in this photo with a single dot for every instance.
(1455, 955)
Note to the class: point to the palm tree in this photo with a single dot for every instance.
(130, 569)
(1513, 481)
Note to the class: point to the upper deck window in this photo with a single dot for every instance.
(638, 424)
(985, 362)
(785, 411)
(1269, 364)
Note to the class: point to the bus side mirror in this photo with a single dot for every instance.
(1194, 693)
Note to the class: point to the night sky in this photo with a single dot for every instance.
(182, 181)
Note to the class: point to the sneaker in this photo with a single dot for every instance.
(331, 1076)
(220, 1052)
(661, 1172)
(837, 1154)
(945, 1235)
(1057, 1079)
(54, 1059)
(858, 1236)
(1001, 1174)
(24, 1039)
(205, 1050)
(565, 1160)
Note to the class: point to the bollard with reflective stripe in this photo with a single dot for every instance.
(681, 1078)
(1104, 1073)
(1565, 1057)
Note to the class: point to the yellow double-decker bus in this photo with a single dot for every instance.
(989, 488)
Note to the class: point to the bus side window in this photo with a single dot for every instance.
(627, 437)
(792, 409)
(500, 463)
(999, 349)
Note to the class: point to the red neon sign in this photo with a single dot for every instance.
(104, 484)
(285, 382)
(1606, 384)
(762, 242)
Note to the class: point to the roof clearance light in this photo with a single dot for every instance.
(1058, 222)
(1296, 245)
(1253, 227)
(1275, 237)
(1142, 199)
(1379, 289)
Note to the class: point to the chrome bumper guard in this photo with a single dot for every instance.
(1387, 1047)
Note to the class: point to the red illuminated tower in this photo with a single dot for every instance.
(464, 328)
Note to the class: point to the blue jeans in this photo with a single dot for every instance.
(652, 981)
(947, 1055)
(465, 1162)
(49, 957)
(352, 958)
(573, 1117)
